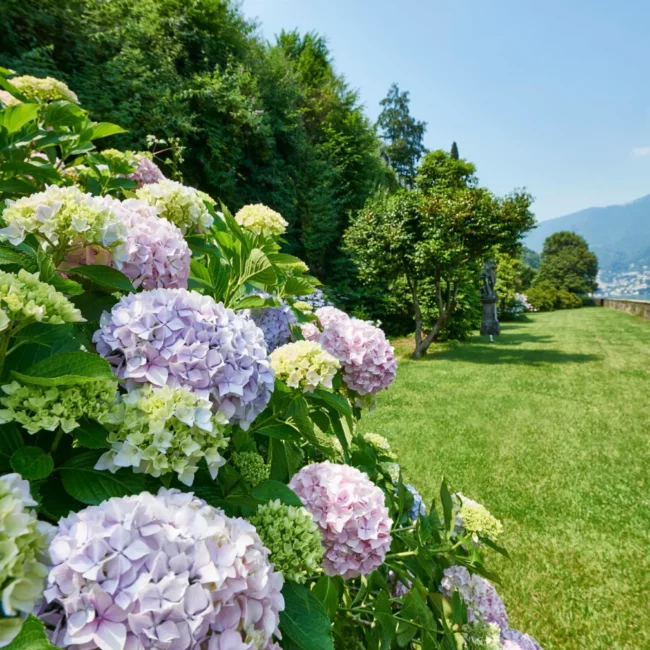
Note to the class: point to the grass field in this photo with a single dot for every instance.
(549, 428)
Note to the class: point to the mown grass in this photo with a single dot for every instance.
(549, 427)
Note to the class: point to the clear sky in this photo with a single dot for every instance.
(551, 95)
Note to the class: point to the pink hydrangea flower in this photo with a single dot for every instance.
(516, 640)
(181, 338)
(310, 332)
(350, 511)
(366, 356)
(480, 596)
(329, 315)
(146, 171)
(167, 572)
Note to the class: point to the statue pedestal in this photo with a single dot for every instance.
(490, 324)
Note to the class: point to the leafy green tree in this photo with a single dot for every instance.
(439, 170)
(434, 239)
(531, 258)
(402, 133)
(567, 263)
(454, 151)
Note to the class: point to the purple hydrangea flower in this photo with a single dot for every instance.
(418, 509)
(366, 356)
(146, 171)
(310, 332)
(275, 322)
(181, 338)
(349, 509)
(480, 596)
(167, 572)
(158, 255)
(516, 640)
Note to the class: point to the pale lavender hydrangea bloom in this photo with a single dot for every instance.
(158, 255)
(480, 596)
(145, 172)
(516, 640)
(181, 338)
(366, 356)
(417, 509)
(167, 572)
(275, 322)
(352, 516)
(329, 316)
(316, 299)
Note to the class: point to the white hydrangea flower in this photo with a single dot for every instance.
(304, 364)
(261, 220)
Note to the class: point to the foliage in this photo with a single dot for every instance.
(545, 297)
(402, 133)
(514, 278)
(431, 239)
(199, 433)
(245, 121)
(534, 426)
(531, 258)
(568, 264)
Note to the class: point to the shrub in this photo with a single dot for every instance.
(158, 496)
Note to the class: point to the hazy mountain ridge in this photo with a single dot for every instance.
(618, 234)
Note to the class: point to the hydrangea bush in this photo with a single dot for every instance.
(181, 467)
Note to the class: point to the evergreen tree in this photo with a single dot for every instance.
(454, 151)
(402, 133)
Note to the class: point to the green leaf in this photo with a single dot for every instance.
(325, 590)
(92, 435)
(258, 268)
(32, 463)
(13, 118)
(304, 619)
(447, 507)
(62, 113)
(55, 501)
(32, 636)
(286, 458)
(101, 130)
(296, 286)
(281, 430)
(270, 490)
(255, 302)
(338, 403)
(65, 369)
(283, 259)
(41, 172)
(68, 287)
(104, 276)
(45, 333)
(90, 486)
(11, 255)
(10, 441)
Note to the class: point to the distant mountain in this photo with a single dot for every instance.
(618, 234)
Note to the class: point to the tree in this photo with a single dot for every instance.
(567, 263)
(402, 133)
(454, 151)
(439, 170)
(434, 238)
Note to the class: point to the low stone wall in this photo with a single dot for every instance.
(636, 307)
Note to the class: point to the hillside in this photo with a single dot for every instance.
(618, 234)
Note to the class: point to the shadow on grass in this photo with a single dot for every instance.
(495, 353)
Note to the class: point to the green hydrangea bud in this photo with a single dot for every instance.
(475, 520)
(44, 90)
(251, 466)
(158, 430)
(49, 407)
(23, 541)
(482, 636)
(23, 296)
(379, 444)
(293, 538)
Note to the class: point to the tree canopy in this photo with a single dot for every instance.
(567, 263)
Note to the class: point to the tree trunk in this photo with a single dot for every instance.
(445, 312)
(417, 312)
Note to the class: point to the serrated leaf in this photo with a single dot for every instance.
(304, 619)
(258, 268)
(104, 276)
(66, 369)
(286, 458)
(10, 441)
(340, 404)
(32, 463)
(91, 434)
(297, 286)
(255, 302)
(90, 486)
(325, 590)
(13, 118)
(32, 636)
(447, 507)
(270, 490)
(281, 430)
(45, 333)
(101, 130)
(62, 113)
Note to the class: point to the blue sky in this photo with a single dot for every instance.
(549, 95)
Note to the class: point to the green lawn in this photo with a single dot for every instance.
(549, 427)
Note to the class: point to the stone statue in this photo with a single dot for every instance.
(490, 325)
